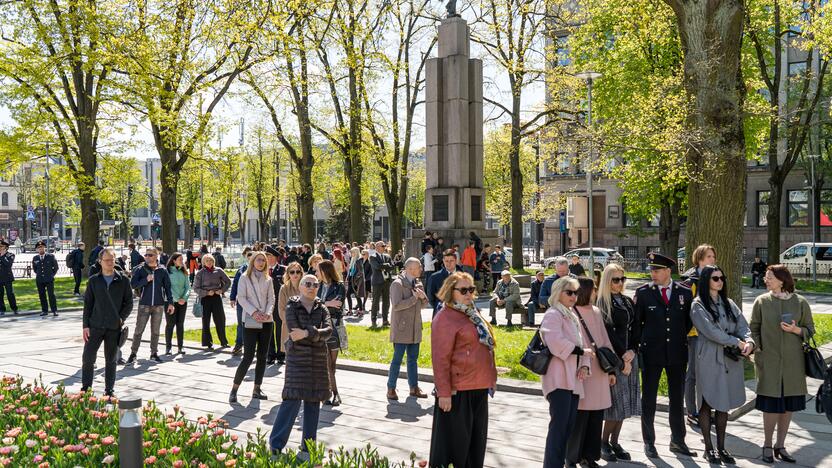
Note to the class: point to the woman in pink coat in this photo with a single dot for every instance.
(569, 366)
(584, 445)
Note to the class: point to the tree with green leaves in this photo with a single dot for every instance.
(123, 190)
(497, 176)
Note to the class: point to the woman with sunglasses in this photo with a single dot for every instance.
(291, 288)
(306, 378)
(622, 328)
(331, 292)
(720, 379)
(568, 368)
(255, 294)
(464, 374)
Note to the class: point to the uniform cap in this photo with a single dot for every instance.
(658, 261)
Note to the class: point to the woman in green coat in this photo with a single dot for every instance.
(180, 288)
(780, 322)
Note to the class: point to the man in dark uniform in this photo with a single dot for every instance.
(6, 278)
(75, 262)
(136, 258)
(662, 309)
(276, 271)
(45, 266)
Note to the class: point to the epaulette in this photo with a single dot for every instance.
(683, 285)
(644, 286)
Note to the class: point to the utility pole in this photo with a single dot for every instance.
(589, 77)
(46, 175)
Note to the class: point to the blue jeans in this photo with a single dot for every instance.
(241, 329)
(286, 415)
(412, 364)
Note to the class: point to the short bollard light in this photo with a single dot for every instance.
(130, 451)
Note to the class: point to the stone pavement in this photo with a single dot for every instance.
(199, 382)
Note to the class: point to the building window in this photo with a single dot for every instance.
(5, 199)
(761, 252)
(826, 208)
(476, 208)
(763, 197)
(562, 51)
(440, 208)
(798, 208)
(797, 68)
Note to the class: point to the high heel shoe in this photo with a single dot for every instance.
(726, 457)
(781, 454)
(232, 398)
(768, 456)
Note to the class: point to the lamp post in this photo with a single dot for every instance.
(46, 176)
(812, 158)
(589, 77)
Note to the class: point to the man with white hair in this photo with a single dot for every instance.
(506, 294)
(561, 269)
(407, 298)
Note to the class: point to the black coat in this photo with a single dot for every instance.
(663, 330)
(277, 282)
(624, 327)
(306, 376)
(76, 259)
(6, 262)
(136, 259)
(103, 312)
(382, 265)
(535, 292)
(45, 269)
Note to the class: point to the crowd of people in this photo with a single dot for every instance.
(608, 350)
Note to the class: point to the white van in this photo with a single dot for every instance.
(799, 261)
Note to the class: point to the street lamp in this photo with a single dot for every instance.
(589, 77)
(46, 176)
(812, 158)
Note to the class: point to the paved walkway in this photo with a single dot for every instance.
(199, 382)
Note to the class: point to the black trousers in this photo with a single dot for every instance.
(255, 341)
(177, 320)
(9, 291)
(459, 436)
(212, 307)
(563, 408)
(110, 340)
(650, 376)
(76, 273)
(381, 297)
(44, 290)
(585, 441)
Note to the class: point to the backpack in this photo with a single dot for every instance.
(70, 260)
(823, 399)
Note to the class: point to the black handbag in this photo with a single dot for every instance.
(607, 359)
(815, 365)
(537, 355)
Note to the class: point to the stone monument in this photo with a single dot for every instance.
(454, 196)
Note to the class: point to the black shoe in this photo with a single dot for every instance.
(385, 324)
(270, 362)
(570, 465)
(509, 324)
(167, 351)
(607, 453)
(726, 457)
(15, 311)
(275, 454)
(711, 456)
(131, 359)
(693, 420)
(181, 351)
(155, 357)
(2, 313)
(54, 314)
(209, 348)
(589, 464)
(681, 449)
(650, 451)
(781, 454)
(258, 395)
(768, 458)
(374, 324)
(237, 350)
(281, 361)
(232, 397)
(44, 314)
(121, 361)
(619, 452)
(109, 393)
(493, 322)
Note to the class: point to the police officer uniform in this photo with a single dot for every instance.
(6, 280)
(45, 267)
(663, 315)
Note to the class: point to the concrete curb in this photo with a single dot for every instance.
(24, 313)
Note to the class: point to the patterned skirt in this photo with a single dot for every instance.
(626, 396)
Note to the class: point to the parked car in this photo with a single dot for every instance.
(602, 257)
(508, 252)
(54, 244)
(680, 259)
(798, 259)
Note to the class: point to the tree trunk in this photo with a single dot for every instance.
(169, 183)
(669, 227)
(773, 220)
(306, 206)
(90, 224)
(711, 36)
(517, 187)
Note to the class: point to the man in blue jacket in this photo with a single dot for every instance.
(6, 278)
(153, 286)
(438, 278)
(561, 269)
(45, 266)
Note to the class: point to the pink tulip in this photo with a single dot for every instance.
(221, 456)
(13, 432)
(150, 460)
(178, 464)
(108, 440)
(175, 450)
(38, 458)
(109, 459)
(162, 452)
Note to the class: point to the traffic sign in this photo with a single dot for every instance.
(156, 218)
(562, 219)
(30, 215)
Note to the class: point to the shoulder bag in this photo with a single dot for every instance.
(124, 332)
(250, 322)
(537, 355)
(607, 359)
(815, 365)
(197, 308)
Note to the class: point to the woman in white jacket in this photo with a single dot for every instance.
(256, 296)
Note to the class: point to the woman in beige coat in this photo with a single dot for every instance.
(291, 288)
(407, 297)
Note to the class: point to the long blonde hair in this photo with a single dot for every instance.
(251, 260)
(604, 299)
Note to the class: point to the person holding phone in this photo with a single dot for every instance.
(781, 321)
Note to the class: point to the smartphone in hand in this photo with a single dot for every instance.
(787, 317)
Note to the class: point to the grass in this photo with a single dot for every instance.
(26, 293)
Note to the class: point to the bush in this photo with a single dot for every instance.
(53, 428)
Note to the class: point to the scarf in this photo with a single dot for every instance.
(570, 314)
(210, 269)
(484, 332)
(782, 295)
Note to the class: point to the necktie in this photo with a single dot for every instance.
(664, 296)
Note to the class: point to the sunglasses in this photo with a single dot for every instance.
(295, 272)
(466, 290)
(150, 255)
(310, 284)
(618, 280)
(570, 292)
(717, 278)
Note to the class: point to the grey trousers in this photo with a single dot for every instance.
(690, 378)
(510, 307)
(154, 315)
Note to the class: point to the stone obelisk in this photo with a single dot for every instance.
(454, 196)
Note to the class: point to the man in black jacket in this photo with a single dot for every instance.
(153, 283)
(75, 262)
(438, 278)
(382, 265)
(108, 302)
(532, 306)
(662, 310)
(136, 258)
(276, 271)
(758, 271)
(45, 266)
(6, 278)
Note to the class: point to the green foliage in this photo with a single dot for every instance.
(497, 175)
(123, 189)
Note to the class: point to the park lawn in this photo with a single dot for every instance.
(26, 293)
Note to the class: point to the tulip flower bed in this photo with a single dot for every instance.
(54, 428)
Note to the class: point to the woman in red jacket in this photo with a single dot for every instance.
(464, 373)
